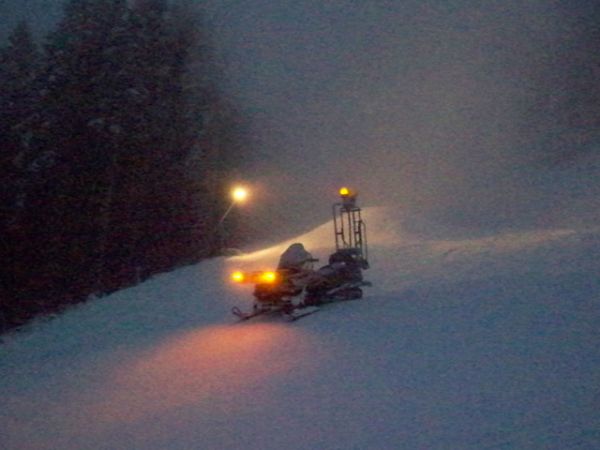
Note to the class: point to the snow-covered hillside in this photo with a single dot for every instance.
(478, 343)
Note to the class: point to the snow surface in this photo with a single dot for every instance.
(487, 342)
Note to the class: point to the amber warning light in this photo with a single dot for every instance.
(346, 192)
(238, 277)
(348, 197)
(268, 277)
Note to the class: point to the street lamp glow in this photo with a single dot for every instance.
(239, 194)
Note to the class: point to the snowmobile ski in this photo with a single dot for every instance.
(247, 315)
(290, 314)
(298, 313)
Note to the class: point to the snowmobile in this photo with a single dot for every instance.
(340, 280)
(280, 291)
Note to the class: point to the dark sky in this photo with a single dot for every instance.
(427, 105)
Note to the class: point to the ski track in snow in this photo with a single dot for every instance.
(483, 343)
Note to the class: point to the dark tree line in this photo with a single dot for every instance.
(564, 111)
(113, 153)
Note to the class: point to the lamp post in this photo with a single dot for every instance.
(238, 194)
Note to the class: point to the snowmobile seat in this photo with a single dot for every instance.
(350, 257)
(345, 265)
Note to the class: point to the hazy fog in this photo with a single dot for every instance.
(432, 106)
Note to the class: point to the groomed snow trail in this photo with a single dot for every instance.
(488, 342)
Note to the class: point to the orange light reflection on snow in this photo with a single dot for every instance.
(210, 365)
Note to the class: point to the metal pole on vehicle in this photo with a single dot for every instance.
(350, 229)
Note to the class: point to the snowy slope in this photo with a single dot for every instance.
(487, 342)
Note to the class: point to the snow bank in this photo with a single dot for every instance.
(488, 342)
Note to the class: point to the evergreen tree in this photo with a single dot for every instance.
(162, 138)
(19, 166)
(79, 124)
(125, 148)
(19, 67)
